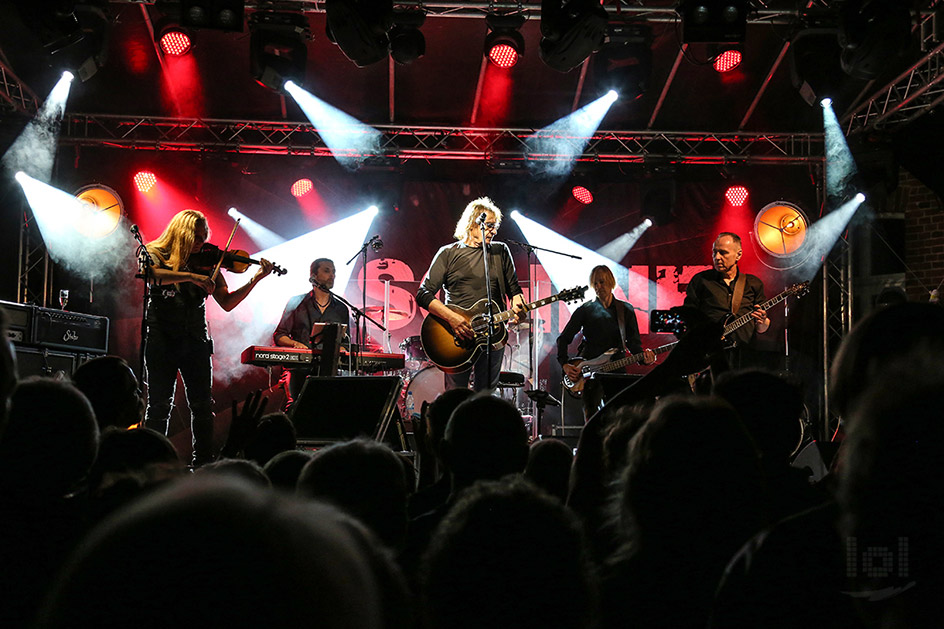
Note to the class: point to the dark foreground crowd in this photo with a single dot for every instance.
(678, 509)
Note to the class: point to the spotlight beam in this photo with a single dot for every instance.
(566, 138)
(823, 235)
(259, 314)
(840, 165)
(617, 248)
(261, 235)
(348, 138)
(34, 151)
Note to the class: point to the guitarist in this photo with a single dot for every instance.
(601, 320)
(458, 269)
(723, 290)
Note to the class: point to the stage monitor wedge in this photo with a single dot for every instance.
(337, 408)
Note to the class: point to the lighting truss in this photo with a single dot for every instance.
(912, 94)
(14, 93)
(399, 143)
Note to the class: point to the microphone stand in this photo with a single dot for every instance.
(489, 315)
(358, 313)
(530, 249)
(361, 324)
(145, 262)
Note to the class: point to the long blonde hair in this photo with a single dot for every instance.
(172, 248)
(472, 212)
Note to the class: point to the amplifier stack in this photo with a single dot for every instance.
(51, 342)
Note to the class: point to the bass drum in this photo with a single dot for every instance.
(425, 385)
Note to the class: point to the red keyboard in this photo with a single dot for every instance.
(265, 356)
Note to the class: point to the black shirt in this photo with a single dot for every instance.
(301, 312)
(458, 269)
(708, 292)
(600, 330)
(178, 309)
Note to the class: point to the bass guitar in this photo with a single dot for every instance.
(454, 355)
(602, 364)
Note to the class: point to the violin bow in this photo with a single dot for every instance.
(216, 270)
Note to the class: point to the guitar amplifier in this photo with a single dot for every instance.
(70, 330)
(19, 321)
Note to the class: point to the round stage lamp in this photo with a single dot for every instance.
(101, 210)
(780, 228)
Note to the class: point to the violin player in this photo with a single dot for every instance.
(178, 339)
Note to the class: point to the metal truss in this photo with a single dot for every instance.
(34, 271)
(837, 318)
(399, 143)
(14, 94)
(914, 92)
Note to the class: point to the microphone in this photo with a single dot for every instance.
(376, 243)
(482, 218)
(134, 230)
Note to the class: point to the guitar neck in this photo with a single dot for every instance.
(744, 319)
(504, 316)
(634, 358)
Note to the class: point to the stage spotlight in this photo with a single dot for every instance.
(780, 228)
(407, 43)
(359, 28)
(278, 50)
(582, 195)
(144, 180)
(726, 60)
(874, 34)
(221, 15)
(570, 32)
(826, 102)
(625, 61)
(713, 20)
(68, 76)
(860, 198)
(264, 237)
(174, 41)
(85, 50)
(736, 195)
(504, 44)
(102, 210)
(302, 187)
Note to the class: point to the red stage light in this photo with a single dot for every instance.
(727, 61)
(582, 194)
(302, 187)
(503, 55)
(736, 195)
(144, 180)
(175, 43)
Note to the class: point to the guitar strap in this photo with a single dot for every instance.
(621, 322)
(738, 293)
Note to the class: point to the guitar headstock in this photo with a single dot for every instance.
(799, 289)
(572, 294)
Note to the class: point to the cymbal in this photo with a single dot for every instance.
(392, 314)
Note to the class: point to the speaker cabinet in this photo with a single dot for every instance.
(34, 361)
(343, 407)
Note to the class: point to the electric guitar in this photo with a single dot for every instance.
(602, 364)
(731, 325)
(454, 355)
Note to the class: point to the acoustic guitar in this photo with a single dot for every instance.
(454, 355)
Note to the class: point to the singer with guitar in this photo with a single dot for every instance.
(178, 339)
(723, 291)
(458, 269)
(301, 313)
(607, 324)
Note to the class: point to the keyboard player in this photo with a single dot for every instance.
(299, 317)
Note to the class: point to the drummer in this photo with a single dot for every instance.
(298, 321)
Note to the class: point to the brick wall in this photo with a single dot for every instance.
(924, 235)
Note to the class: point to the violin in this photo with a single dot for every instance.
(235, 260)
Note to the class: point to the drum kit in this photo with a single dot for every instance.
(425, 381)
